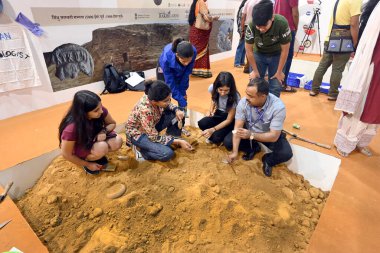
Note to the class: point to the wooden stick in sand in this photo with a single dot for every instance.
(196, 141)
(230, 163)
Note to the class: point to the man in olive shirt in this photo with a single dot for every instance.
(267, 42)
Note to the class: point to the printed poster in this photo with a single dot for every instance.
(131, 35)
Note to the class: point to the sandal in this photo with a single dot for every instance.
(286, 89)
(365, 151)
(102, 161)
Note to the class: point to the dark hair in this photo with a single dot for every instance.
(157, 90)
(183, 48)
(366, 13)
(262, 12)
(261, 84)
(225, 79)
(192, 12)
(84, 101)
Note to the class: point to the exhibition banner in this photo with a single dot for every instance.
(79, 41)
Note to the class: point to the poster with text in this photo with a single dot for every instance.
(82, 37)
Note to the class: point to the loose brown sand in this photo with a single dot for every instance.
(193, 203)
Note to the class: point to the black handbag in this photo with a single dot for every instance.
(340, 41)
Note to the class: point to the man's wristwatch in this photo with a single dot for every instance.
(252, 136)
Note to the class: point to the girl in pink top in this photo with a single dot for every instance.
(86, 132)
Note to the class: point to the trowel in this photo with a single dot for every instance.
(4, 194)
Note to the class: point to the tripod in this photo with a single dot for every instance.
(306, 42)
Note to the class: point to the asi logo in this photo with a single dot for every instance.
(308, 13)
(168, 15)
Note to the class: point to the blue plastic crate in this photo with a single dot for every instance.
(323, 89)
(294, 79)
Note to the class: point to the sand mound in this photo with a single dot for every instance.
(194, 203)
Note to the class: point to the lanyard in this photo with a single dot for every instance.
(258, 112)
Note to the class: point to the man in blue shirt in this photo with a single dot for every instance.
(259, 118)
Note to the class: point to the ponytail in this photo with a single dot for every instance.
(175, 44)
(183, 48)
(148, 85)
(157, 90)
(192, 13)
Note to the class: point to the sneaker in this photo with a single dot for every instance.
(313, 93)
(138, 154)
(331, 98)
(208, 141)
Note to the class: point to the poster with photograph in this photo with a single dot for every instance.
(79, 41)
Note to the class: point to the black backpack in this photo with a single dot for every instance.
(113, 81)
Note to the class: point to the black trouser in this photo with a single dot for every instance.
(159, 76)
(209, 122)
(281, 150)
(166, 122)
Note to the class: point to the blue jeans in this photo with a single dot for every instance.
(240, 53)
(157, 151)
(269, 63)
(289, 60)
(153, 150)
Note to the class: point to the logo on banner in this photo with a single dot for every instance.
(168, 15)
(176, 5)
(141, 16)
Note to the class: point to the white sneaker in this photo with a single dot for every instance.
(138, 154)
(208, 141)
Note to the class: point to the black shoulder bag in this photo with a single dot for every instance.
(340, 41)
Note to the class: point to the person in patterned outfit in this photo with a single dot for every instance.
(153, 113)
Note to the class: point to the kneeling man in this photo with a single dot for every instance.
(259, 118)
